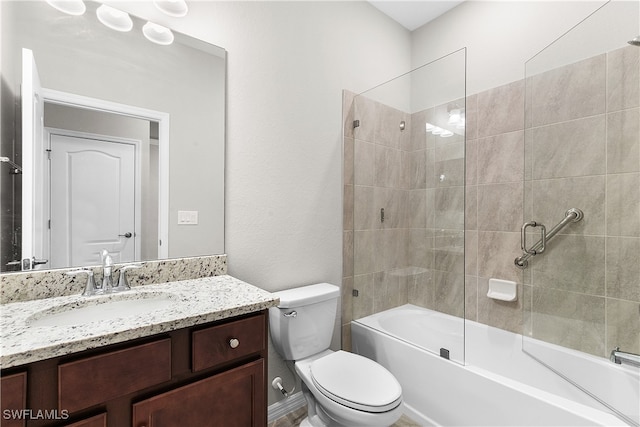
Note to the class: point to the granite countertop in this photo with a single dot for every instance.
(25, 337)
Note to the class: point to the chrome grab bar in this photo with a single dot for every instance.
(572, 215)
(621, 357)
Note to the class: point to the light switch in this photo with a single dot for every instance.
(187, 217)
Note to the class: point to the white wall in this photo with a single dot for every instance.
(500, 36)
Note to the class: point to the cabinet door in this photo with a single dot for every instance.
(232, 398)
(13, 397)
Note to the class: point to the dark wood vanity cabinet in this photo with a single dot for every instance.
(207, 375)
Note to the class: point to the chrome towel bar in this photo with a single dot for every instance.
(572, 215)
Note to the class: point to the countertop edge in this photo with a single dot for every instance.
(262, 300)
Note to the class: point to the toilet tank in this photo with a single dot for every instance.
(302, 324)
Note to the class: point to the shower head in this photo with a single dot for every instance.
(635, 41)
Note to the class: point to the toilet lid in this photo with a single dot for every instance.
(356, 382)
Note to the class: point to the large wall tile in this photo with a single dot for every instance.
(623, 78)
(347, 160)
(623, 268)
(417, 167)
(364, 258)
(364, 210)
(471, 298)
(500, 109)
(471, 207)
(388, 130)
(418, 136)
(500, 158)
(496, 253)
(364, 163)
(449, 208)
(500, 207)
(347, 208)
(388, 170)
(569, 92)
(449, 293)
(574, 148)
(571, 263)
(500, 314)
(569, 319)
(389, 291)
(417, 212)
(551, 198)
(623, 324)
(623, 205)
(623, 141)
(347, 254)
(363, 303)
(471, 162)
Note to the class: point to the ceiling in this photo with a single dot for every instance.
(414, 14)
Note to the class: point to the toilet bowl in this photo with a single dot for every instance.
(341, 388)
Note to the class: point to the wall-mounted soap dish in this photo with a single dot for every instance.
(503, 290)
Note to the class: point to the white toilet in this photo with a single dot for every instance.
(341, 388)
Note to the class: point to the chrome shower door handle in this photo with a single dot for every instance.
(540, 246)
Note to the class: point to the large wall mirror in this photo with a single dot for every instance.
(120, 141)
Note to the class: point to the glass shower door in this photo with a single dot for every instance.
(582, 152)
(408, 206)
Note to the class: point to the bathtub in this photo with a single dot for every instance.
(490, 381)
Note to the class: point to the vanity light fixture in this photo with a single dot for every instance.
(114, 18)
(454, 116)
(435, 130)
(157, 33)
(71, 7)
(175, 8)
(457, 118)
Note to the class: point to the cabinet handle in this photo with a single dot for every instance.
(234, 342)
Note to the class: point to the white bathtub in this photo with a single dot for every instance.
(498, 385)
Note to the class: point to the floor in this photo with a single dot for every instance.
(295, 418)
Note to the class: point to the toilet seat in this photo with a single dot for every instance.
(356, 382)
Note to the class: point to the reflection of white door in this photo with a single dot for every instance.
(33, 247)
(93, 200)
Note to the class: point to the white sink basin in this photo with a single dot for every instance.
(103, 309)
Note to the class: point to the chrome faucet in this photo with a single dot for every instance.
(621, 357)
(107, 264)
(90, 287)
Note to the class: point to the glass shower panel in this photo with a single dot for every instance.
(408, 200)
(582, 151)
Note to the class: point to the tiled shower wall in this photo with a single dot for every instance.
(415, 254)
(583, 150)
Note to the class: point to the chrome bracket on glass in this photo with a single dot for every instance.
(571, 215)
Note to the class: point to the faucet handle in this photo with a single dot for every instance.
(90, 287)
(123, 282)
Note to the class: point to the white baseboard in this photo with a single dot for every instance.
(285, 406)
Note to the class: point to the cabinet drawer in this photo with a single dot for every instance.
(213, 346)
(13, 395)
(98, 379)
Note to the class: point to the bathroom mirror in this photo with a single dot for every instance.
(175, 94)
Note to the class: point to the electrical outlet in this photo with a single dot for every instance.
(187, 217)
